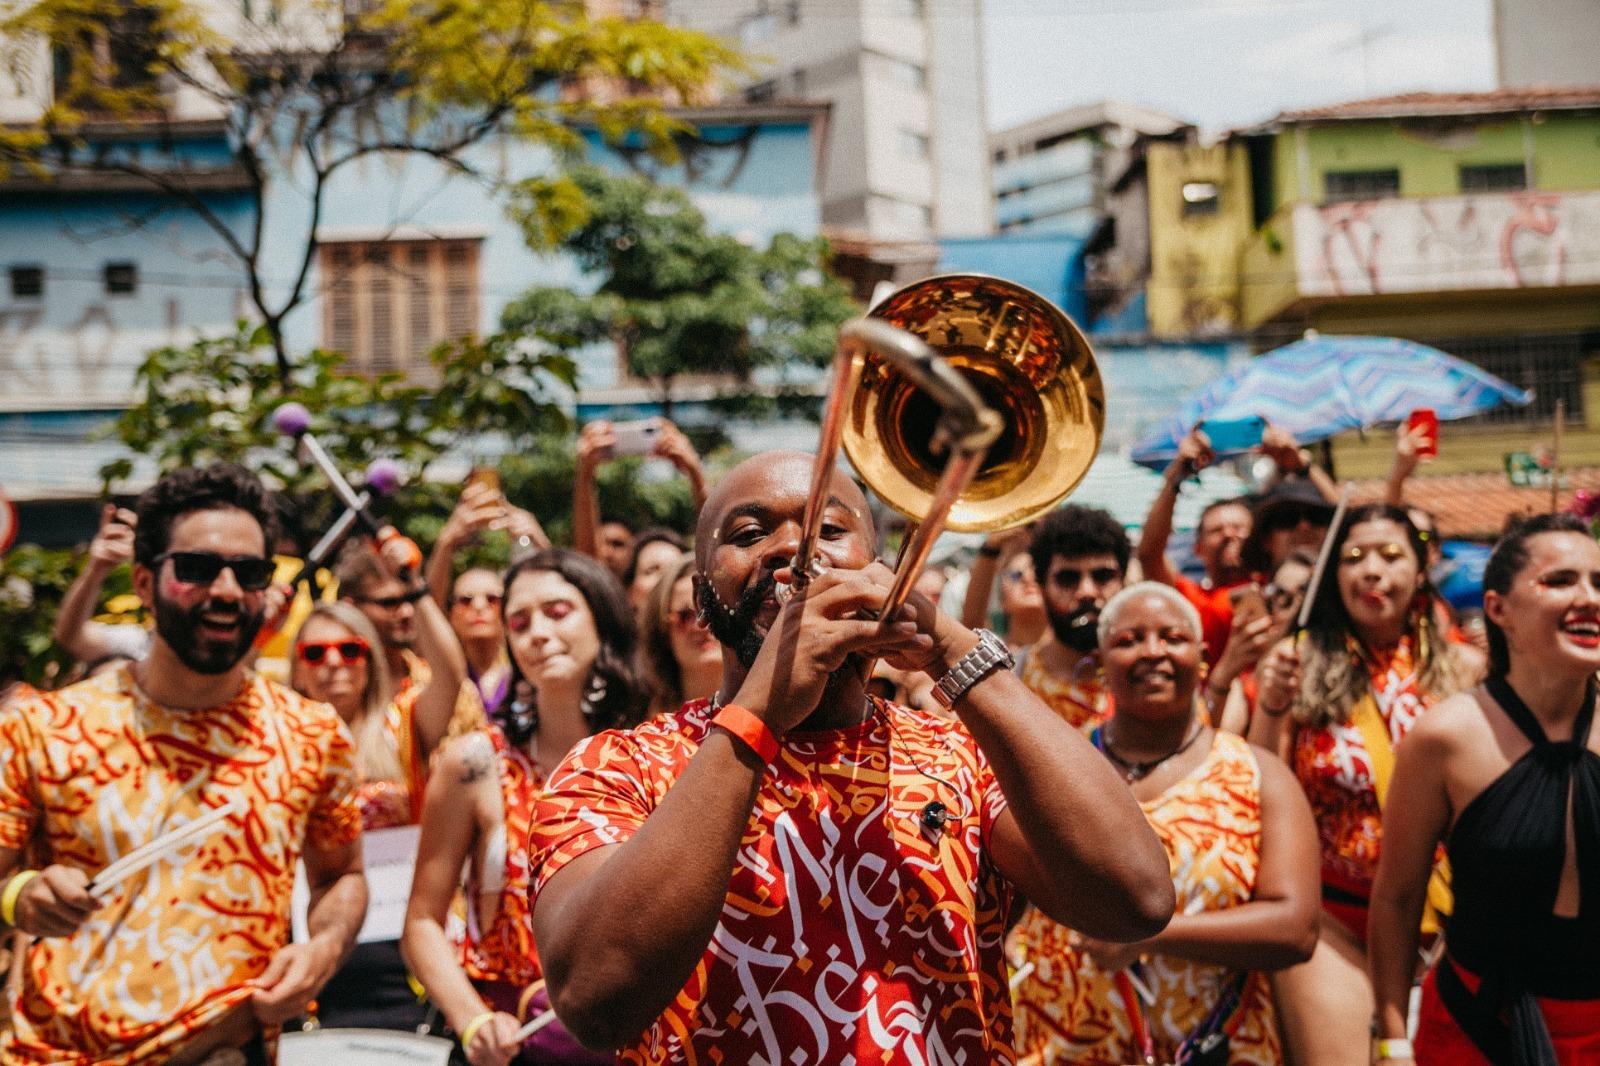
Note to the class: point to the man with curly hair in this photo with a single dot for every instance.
(188, 956)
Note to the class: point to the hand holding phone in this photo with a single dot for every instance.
(1231, 435)
(636, 438)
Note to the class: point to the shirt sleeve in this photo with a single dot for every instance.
(19, 807)
(597, 797)
(335, 818)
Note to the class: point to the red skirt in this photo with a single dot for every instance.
(1574, 1026)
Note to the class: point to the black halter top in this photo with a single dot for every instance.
(1506, 853)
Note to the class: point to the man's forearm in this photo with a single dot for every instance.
(1106, 872)
(1157, 531)
(585, 511)
(619, 946)
(335, 914)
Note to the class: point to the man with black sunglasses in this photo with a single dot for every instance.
(1080, 558)
(190, 955)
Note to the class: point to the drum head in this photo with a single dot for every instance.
(362, 1047)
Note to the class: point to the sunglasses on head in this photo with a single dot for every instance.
(350, 650)
(252, 572)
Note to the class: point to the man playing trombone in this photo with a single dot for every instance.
(795, 872)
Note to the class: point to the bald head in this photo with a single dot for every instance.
(767, 478)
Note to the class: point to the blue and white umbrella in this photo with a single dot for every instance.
(1323, 385)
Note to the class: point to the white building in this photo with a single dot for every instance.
(907, 157)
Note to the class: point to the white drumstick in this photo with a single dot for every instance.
(539, 1022)
(1021, 975)
(148, 853)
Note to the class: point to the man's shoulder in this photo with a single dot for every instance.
(110, 691)
(285, 702)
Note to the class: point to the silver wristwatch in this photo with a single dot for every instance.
(990, 654)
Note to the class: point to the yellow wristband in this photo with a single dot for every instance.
(8, 898)
(470, 1030)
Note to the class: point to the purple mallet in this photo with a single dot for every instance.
(291, 419)
(383, 476)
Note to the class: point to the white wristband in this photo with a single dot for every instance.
(1392, 1049)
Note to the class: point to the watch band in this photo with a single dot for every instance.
(749, 730)
(990, 654)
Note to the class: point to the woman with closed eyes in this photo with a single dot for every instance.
(570, 639)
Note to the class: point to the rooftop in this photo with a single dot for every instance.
(1434, 105)
(1477, 506)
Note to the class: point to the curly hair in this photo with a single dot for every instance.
(1510, 555)
(1334, 674)
(617, 698)
(1073, 531)
(190, 489)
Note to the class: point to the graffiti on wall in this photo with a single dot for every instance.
(1489, 241)
(89, 362)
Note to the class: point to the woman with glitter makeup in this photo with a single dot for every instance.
(570, 638)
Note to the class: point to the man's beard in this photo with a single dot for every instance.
(181, 631)
(735, 627)
(1079, 629)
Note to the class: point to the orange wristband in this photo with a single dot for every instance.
(749, 729)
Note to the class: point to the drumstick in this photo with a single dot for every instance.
(1021, 975)
(1322, 559)
(539, 1022)
(148, 853)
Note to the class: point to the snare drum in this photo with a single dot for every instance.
(361, 1047)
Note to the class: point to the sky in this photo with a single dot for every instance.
(1227, 63)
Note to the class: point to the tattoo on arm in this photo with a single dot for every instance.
(475, 764)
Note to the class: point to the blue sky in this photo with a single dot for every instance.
(1227, 63)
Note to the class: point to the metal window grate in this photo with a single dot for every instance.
(1550, 366)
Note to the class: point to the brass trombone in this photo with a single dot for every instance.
(980, 368)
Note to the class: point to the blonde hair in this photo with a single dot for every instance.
(376, 756)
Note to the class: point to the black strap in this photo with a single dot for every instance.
(1524, 1042)
(1524, 719)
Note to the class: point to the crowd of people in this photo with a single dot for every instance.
(1086, 808)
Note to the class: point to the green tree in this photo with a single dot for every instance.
(674, 296)
(310, 88)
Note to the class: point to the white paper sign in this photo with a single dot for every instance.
(391, 859)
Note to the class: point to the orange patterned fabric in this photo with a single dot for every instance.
(1069, 1010)
(1083, 702)
(94, 771)
(504, 953)
(1335, 770)
(848, 934)
(387, 804)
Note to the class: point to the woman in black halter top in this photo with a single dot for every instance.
(1509, 777)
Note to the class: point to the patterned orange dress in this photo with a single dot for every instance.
(97, 769)
(1069, 1010)
(1335, 770)
(503, 953)
(849, 933)
(1083, 702)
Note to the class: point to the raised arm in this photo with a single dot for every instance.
(997, 550)
(1194, 455)
(673, 446)
(595, 443)
(1408, 446)
(75, 628)
(439, 647)
(479, 508)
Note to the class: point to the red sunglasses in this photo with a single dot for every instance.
(349, 650)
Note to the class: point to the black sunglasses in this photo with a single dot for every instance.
(394, 603)
(252, 572)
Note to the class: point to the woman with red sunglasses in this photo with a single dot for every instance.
(678, 656)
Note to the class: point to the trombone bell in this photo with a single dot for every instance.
(1028, 363)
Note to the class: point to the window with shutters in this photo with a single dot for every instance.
(386, 304)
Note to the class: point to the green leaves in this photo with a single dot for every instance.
(675, 296)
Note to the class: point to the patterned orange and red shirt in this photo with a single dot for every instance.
(850, 933)
(1070, 1010)
(503, 953)
(93, 771)
(1082, 702)
(1335, 769)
